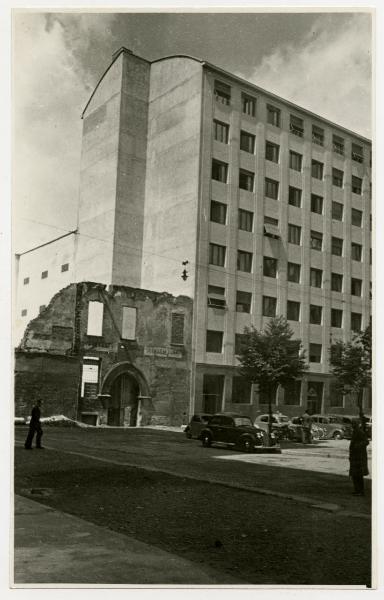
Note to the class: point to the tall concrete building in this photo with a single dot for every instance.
(270, 205)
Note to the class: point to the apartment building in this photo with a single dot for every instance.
(267, 204)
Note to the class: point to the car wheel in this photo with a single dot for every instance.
(247, 444)
(206, 440)
(337, 435)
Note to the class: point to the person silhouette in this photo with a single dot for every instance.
(34, 427)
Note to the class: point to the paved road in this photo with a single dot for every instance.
(323, 466)
(304, 495)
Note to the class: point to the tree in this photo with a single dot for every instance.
(271, 358)
(351, 364)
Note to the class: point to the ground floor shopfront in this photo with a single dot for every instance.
(219, 388)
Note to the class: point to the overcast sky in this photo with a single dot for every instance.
(319, 61)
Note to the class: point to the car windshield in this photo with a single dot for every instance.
(241, 421)
(283, 419)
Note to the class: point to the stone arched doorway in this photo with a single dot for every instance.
(129, 395)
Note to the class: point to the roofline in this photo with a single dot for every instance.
(199, 60)
(115, 56)
(297, 107)
(47, 243)
(208, 65)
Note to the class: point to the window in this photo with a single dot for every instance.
(271, 227)
(316, 277)
(315, 353)
(316, 240)
(357, 217)
(272, 152)
(65, 268)
(292, 392)
(44, 275)
(357, 153)
(95, 318)
(24, 312)
(219, 171)
(356, 321)
(296, 125)
(247, 142)
(220, 131)
(244, 261)
(293, 272)
(294, 196)
(356, 185)
(336, 282)
(338, 145)
(241, 390)
(356, 285)
(222, 93)
(271, 221)
(26, 281)
(243, 301)
(214, 341)
(269, 267)
(271, 188)
(177, 329)
(317, 169)
(295, 160)
(293, 310)
(356, 251)
(245, 220)
(337, 246)
(337, 177)
(317, 135)
(335, 395)
(294, 234)
(315, 313)
(337, 211)
(273, 115)
(216, 296)
(217, 255)
(238, 342)
(248, 104)
(218, 212)
(129, 323)
(246, 179)
(269, 306)
(336, 317)
(316, 204)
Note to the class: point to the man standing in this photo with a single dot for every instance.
(358, 459)
(34, 427)
(306, 428)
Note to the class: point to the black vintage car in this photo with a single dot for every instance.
(232, 429)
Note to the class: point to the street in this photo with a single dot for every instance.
(280, 519)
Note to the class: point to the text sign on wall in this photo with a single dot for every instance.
(162, 352)
(90, 375)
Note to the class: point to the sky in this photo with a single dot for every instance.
(321, 61)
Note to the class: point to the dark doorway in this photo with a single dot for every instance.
(315, 396)
(213, 386)
(124, 403)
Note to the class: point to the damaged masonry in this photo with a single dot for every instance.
(117, 356)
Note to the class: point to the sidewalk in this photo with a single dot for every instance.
(56, 548)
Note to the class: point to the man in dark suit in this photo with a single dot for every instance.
(34, 427)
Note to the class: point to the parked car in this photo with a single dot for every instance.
(332, 427)
(295, 430)
(232, 429)
(280, 424)
(196, 425)
(348, 420)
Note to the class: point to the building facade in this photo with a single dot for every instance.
(118, 356)
(267, 204)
